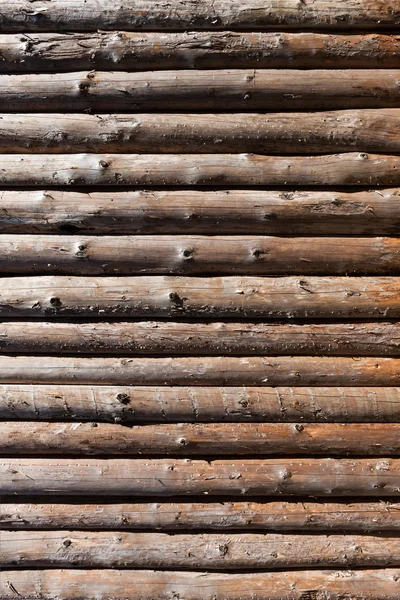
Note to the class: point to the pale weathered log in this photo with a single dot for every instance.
(201, 297)
(302, 517)
(70, 15)
(202, 551)
(198, 255)
(127, 51)
(27, 438)
(105, 584)
(200, 90)
(176, 338)
(216, 370)
(279, 133)
(171, 477)
(191, 211)
(346, 169)
(132, 405)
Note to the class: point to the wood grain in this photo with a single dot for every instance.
(168, 477)
(198, 212)
(246, 90)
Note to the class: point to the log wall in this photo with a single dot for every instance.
(200, 300)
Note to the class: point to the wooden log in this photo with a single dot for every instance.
(200, 298)
(60, 549)
(64, 15)
(28, 438)
(132, 405)
(348, 169)
(301, 517)
(198, 255)
(217, 370)
(175, 338)
(168, 477)
(153, 51)
(250, 90)
(197, 212)
(279, 133)
(64, 584)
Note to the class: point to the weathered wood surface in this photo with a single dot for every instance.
(127, 51)
(198, 255)
(175, 338)
(302, 517)
(216, 439)
(348, 169)
(202, 551)
(173, 477)
(278, 133)
(200, 90)
(201, 298)
(209, 371)
(70, 15)
(105, 584)
(191, 211)
(148, 404)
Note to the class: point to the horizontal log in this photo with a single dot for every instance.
(279, 133)
(169, 338)
(217, 439)
(302, 517)
(70, 15)
(129, 550)
(348, 169)
(200, 90)
(132, 405)
(198, 255)
(127, 51)
(225, 297)
(197, 212)
(170, 477)
(217, 370)
(148, 585)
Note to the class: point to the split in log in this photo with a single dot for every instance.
(278, 133)
(135, 405)
(154, 51)
(197, 212)
(143, 15)
(107, 584)
(198, 255)
(201, 298)
(177, 338)
(250, 551)
(251, 90)
(217, 370)
(206, 440)
(223, 478)
(349, 169)
(302, 517)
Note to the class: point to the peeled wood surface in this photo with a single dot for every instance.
(226, 439)
(127, 51)
(191, 297)
(302, 517)
(198, 255)
(346, 169)
(203, 551)
(190, 211)
(379, 584)
(200, 90)
(70, 15)
(217, 370)
(171, 477)
(132, 405)
(279, 133)
(200, 339)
